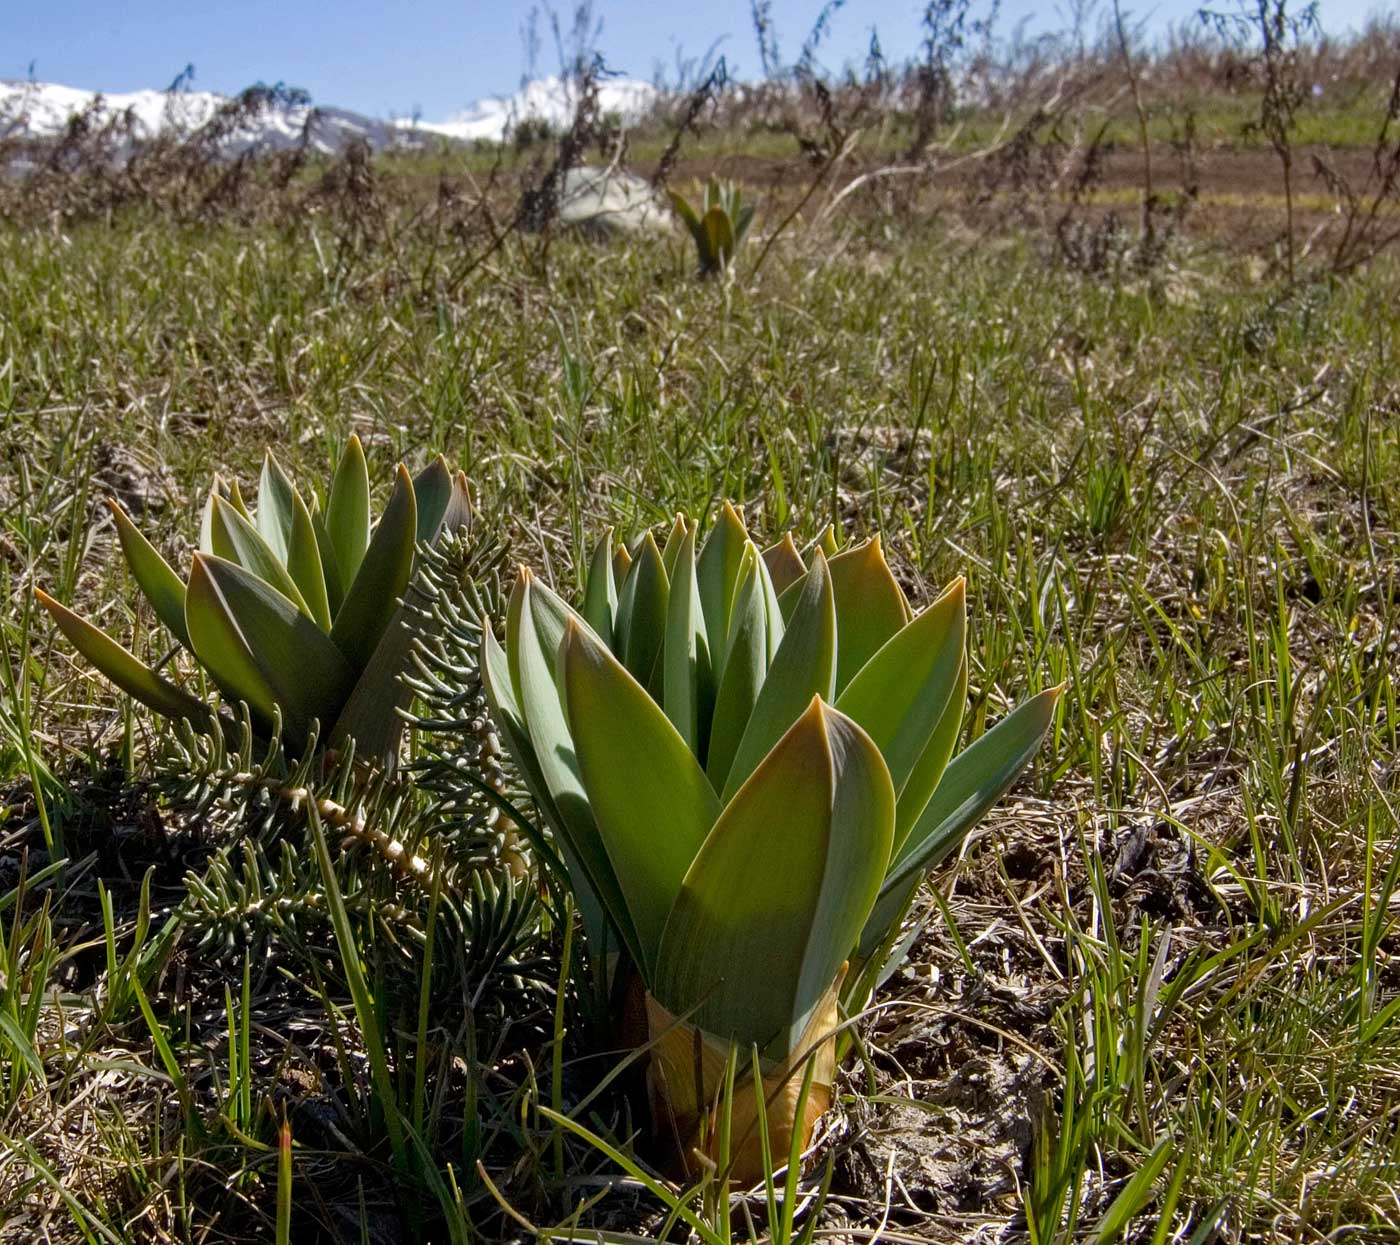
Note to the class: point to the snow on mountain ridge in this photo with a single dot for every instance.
(43, 109)
(551, 100)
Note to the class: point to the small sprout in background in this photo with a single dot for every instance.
(292, 608)
(748, 761)
(718, 225)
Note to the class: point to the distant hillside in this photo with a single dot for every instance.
(39, 110)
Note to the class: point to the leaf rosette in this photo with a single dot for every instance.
(292, 609)
(717, 222)
(747, 759)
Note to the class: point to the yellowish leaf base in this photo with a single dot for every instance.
(685, 1082)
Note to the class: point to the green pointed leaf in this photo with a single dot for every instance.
(335, 592)
(600, 593)
(622, 562)
(641, 617)
(900, 697)
(432, 489)
(373, 596)
(235, 496)
(347, 512)
(304, 564)
(787, 600)
(517, 620)
(743, 218)
(688, 216)
(444, 503)
(934, 763)
(206, 516)
(274, 516)
(826, 542)
(803, 667)
(773, 902)
(505, 711)
(975, 780)
(719, 238)
(375, 713)
(237, 540)
(153, 574)
(870, 607)
(129, 673)
(940, 840)
(892, 904)
(686, 653)
(651, 801)
(674, 539)
(626, 598)
(785, 564)
(220, 645)
(535, 624)
(745, 663)
(772, 612)
(717, 572)
(249, 624)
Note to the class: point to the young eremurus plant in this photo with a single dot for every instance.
(718, 222)
(292, 608)
(748, 760)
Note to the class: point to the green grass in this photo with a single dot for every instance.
(1173, 952)
(1347, 117)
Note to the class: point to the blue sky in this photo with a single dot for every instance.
(435, 56)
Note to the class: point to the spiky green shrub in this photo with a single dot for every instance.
(747, 759)
(718, 223)
(292, 608)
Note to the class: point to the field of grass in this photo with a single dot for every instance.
(1217, 121)
(1157, 999)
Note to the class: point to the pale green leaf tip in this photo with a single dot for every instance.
(353, 452)
(119, 516)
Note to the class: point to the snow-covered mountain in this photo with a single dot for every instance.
(43, 109)
(550, 100)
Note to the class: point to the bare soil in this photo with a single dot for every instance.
(1230, 194)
